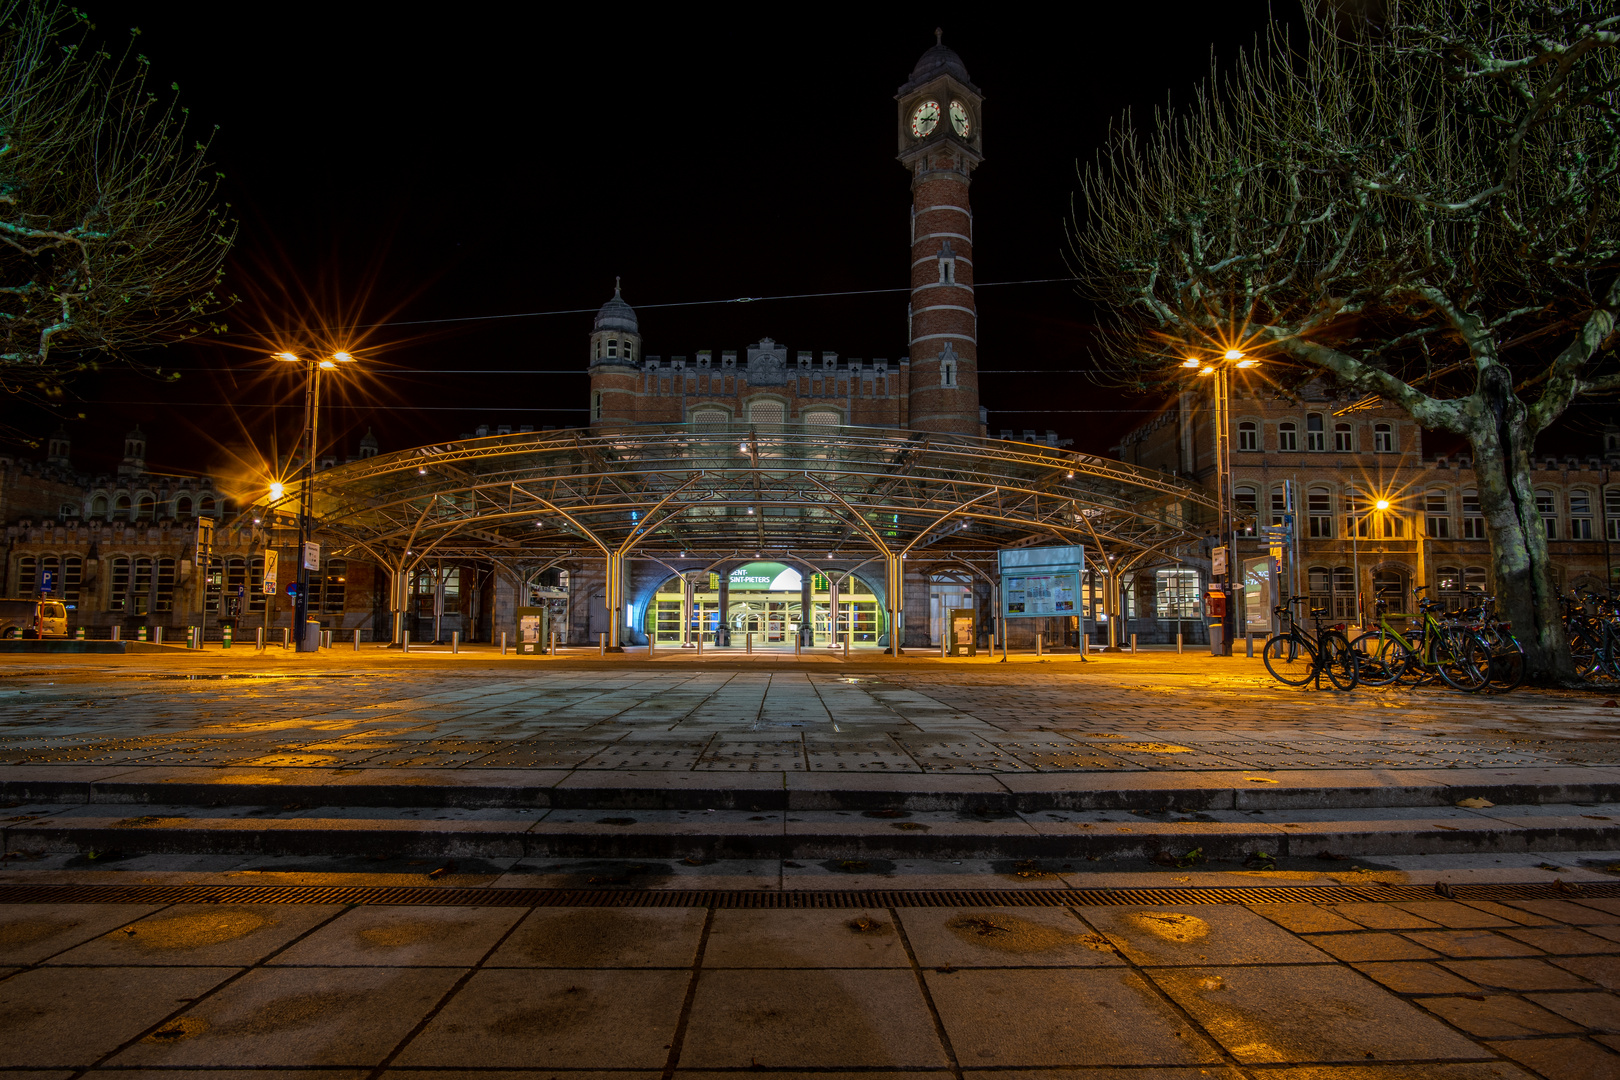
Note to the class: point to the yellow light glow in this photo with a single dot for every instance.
(343, 357)
(328, 365)
(1207, 371)
(291, 358)
(1190, 362)
(1247, 363)
(1234, 354)
(1382, 504)
(277, 490)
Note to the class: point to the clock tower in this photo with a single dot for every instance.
(941, 143)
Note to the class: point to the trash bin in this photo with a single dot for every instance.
(961, 633)
(312, 635)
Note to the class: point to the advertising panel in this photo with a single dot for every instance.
(271, 558)
(1041, 582)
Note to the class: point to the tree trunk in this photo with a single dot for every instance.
(1525, 588)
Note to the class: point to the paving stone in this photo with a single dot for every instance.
(1595, 1011)
(31, 932)
(1562, 940)
(73, 1016)
(1411, 1070)
(1406, 977)
(603, 937)
(1368, 946)
(1381, 916)
(1496, 1016)
(1294, 1015)
(1526, 974)
(1004, 937)
(1603, 970)
(1200, 934)
(1471, 943)
(1562, 1059)
(1454, 916)
(837, 938)
(1565, 911)
(1304, 918)
(810, 1019)
(404, 937)
(1061, 1018)
(566, 1019)
(202, 934)
(1512, 914)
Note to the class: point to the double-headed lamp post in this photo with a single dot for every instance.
(1355, 547)
(1221, 369)
(312, 407)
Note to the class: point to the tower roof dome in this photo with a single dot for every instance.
(617, 315)
(940, 60)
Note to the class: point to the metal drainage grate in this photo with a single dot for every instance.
(726, 898)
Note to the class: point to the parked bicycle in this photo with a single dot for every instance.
(1295, 657)
(1592, 625)
(1507, 667)
(1444, 651)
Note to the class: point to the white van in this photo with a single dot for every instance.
(33, 619)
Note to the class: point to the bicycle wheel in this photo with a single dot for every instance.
(1584, 651)
(1463, 660)
(1289, 659)
(1373, 667)
(1506, 671)
(1341, 661)
(1402, 662)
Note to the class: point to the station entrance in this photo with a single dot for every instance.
(765, 599)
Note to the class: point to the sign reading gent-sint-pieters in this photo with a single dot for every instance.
(1041, 581)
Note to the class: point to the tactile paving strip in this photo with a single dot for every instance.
(722, 898)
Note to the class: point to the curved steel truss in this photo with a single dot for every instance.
(710, 492)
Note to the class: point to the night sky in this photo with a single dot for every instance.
(391, 168)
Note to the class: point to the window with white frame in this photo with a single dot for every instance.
(1279, 504)
(1448, 587)
(1547, 507)
(947, 373)
(1389, 585)
(72, 579)
(596, 404)
(1319, 508)
(1474, 579)
(1248, 435)
(1287, 435)
(1344, 592)
(163, 596)
(1383, 439)
(1176, 594)
(1344, 438)
(1246, 500)
(1315, 433)
(1473, 523)
(1437, 515)
(1611, 513)
(27, 576)
(1580, 515)
(118, 585)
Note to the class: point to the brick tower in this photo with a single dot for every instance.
(615, 368)
(941, 143)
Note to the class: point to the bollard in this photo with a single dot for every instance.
(1085, 644)
(405, 641)
(750, 641)
(157, 635)
(554, 643)
(1250, 646)
(944, 647)
(846, 648)
(1133, 644)
(286, 637)
(1178, 643)
(140, 632)
(79, 634)
(226, 633)
(357, 639)
(652, 645)
(455, 641)
(258, 639)
(700, 645)
(1038, 636)
(601, 644)
(117, 633)
(796, 640)
(503, 642)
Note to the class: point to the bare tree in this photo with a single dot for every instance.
(1425, 207)
(110, 237)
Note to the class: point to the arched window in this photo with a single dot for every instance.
(1315, 435)
(145, 506)
(947, 373)
(716, 417)
(140, 589)
(1248, 435)
(1287, 435)
(1448, 586)
(236, 578)
(1473, 525)
(1580, 515)
(1245, 500)
(182, 506)
(216, 584)
(1344, 438)
(118, 585)
(1383, 439)
(1279, 504)
(1319, 582)
(205, 506)
(50, 576)
(1611, 512)
(613, 347)
(1344, 592)
(1475, 579)
(1319, 507)
(27, 576)
(98, 506)
(1436, 515)
(255, 596)
(596, 404)
(72, 579)
(821, 418)
(1547, 507)
(164, 599)
(121, 508)
(766, 412)
(1389, 585)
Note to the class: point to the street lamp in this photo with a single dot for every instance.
(1221, 368)
(312, 405)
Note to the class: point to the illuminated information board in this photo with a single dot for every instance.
(1041, 582)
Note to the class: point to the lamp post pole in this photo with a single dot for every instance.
(312, 408)
(1223, 498)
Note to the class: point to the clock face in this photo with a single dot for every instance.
(959, 118)
(925, 118)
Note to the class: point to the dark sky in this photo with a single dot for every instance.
(394, 166)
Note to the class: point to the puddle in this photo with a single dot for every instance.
(261, 677)
(1169, 925)
(1010, 933)
(191, 931)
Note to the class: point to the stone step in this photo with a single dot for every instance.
(797, 834)
(649, 789)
